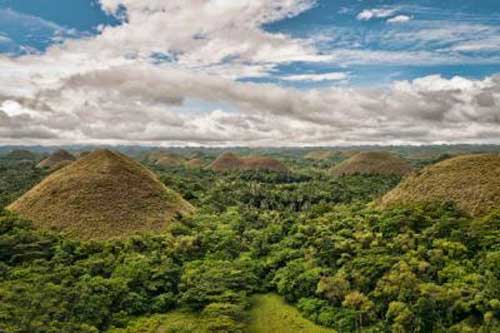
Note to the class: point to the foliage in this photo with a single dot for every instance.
(309, 237)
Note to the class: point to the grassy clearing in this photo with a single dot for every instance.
(174, 322)
(270, 314)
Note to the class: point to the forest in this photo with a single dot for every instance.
(316, 240)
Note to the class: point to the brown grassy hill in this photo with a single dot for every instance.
(60, 165)
(232, 162)
(82, 154)
(373, 163)
(320, 155)
(348, 153)
(472, 182)
(226, 162)
(169, 160)
(56, 157)
(263, 163)
(195, 163)
(102, 195)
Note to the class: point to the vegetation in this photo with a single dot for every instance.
(320, 155)
(307, 236)
(373, 163)
(102, 195)
(472, 182)
(16, 178)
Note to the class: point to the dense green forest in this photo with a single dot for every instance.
(312, 238)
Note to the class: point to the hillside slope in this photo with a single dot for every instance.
(102, 195)
(59, 156)
(232, 162)
(472, 182)
(373, 163)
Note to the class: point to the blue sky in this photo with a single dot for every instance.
(34, 25)
(250, 72)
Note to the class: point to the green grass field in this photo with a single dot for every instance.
(270, 314)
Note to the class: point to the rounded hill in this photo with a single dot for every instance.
(373, 163)
(232, 162)
(195, 163)
(170, 160)
(320, 155)
(472, 182)
(56, 158)
(102, 195)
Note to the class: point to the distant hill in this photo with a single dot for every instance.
(57, 157)
(169, 160)
(82, 154)
(320, 155)
(102, 195)
(472, 182)
(373, 163)
(21, 154)
(195, 163)
(232, 162)
(163, 158)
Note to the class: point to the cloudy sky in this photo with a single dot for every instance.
(249, 72)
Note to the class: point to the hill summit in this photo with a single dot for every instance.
(472, 182)
(373, 163)
(102, 195)
(232, 162)
(56, 158)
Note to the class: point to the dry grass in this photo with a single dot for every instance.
(57, 157)
(102, 195)
(169, 160)
(60, 165)
(472, 182)
(373, 163)
(195, 163)
(232, 162)
(320, 155)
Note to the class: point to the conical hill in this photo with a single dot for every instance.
(102, 195)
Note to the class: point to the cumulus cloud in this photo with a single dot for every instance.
(145, 104)
(335, 76)
(399, 19)
(369, 14)
(111, 88)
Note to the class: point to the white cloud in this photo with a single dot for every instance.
(484, 43)
(399, 19)
(145, 104)
(107, 89)
(369, 14)
(334, 76)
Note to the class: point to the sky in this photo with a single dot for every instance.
(249, 72)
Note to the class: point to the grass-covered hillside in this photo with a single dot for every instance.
(373, 163)
(472, 182)
(102, 195)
